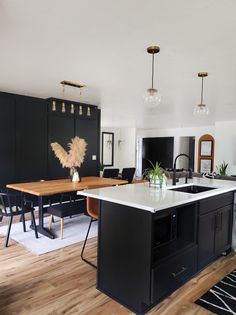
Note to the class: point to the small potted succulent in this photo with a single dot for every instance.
(155, 175)
(222, 168)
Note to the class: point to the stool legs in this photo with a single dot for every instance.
(62, 224)
(85, 241)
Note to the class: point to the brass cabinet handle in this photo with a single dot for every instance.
(174, 275)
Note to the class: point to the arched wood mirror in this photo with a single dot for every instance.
(206, 146)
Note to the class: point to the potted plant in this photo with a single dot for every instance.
(101, 168)
(221, 169)
(155, 175)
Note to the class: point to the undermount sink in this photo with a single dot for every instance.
(192, 189)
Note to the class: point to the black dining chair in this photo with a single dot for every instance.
(12, 205)
(70, 204)
(128, 174)
(110, 172)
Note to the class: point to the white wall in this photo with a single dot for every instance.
(177, 133)
(124, 146)
(225, 144)
(224, 134)
(183, 147)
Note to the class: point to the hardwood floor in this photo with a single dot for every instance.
(60, 283)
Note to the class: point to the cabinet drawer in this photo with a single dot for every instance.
(213, 203)
(171, 274)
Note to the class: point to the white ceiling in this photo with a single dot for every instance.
(103, 44)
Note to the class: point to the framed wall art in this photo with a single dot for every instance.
(206, 148)
(205, 166)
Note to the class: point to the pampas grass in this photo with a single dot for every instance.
(75, 156)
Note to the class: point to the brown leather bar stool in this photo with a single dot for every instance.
(93, 208)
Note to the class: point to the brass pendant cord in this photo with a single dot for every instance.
(152, 69)
(202, 92)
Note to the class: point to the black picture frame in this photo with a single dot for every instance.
(107, 148)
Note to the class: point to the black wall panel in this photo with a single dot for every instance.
(31, 138)
(89, 129)
(7, 139)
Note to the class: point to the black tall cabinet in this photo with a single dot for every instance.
(27, 127)
(63, 126)
(61, 129)
(88, 128)
(31, 138)
(7, 138)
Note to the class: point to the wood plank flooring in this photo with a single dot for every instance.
(60, 283)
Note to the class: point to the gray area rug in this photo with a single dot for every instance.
(75, 230)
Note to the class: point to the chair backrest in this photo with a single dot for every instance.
(10, 204)
(93, 204)
(93, 207)
(110, 172)
(128, 174)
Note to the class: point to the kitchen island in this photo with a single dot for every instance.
(151, 241)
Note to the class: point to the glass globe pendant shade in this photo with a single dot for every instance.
(152, 97)
(201, 110)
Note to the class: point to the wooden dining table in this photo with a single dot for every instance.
(42, 189)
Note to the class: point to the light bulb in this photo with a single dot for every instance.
(152, 97)
(88, 111)
(63, 107)
(201, 110)
(54, 106)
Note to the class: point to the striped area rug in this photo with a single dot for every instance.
(221, 299)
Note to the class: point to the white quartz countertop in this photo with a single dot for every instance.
(152, 199)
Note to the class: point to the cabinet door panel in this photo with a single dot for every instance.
(223, 230)
(124, 254)
(206, 237)
(61, 130)
(89, 130)
(7, 139)
(31, 138)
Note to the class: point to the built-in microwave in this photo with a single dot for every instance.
(165, 228)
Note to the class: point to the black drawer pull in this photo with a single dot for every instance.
(174, 275)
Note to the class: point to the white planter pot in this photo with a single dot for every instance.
(75, 177)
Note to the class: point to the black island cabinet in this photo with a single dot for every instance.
(144, 256)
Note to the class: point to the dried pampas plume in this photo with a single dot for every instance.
(75, 156)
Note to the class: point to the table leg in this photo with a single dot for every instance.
(40, 228)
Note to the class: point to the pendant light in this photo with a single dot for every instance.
(201, 109)
(152, 97)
